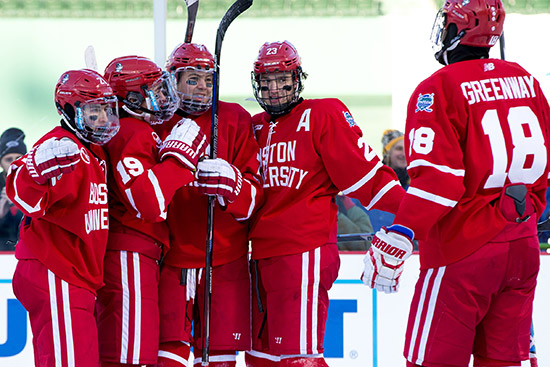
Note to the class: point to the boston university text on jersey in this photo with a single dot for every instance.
(97, 219)
(286, 176)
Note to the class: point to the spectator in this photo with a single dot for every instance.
(393, 153)
(12, 148)
(352, 218)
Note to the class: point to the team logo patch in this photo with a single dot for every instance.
(349, 119)
(424, 102)
(258, 127)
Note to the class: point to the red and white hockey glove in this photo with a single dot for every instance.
(220, 178)
(384, 261)
(52, 158)
(186, 142)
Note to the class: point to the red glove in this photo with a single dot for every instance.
(220, 178)
(186, 142)
(52, 158)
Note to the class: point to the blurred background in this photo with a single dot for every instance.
(369, 53)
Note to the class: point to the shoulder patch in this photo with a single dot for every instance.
(349, 119)
(424, 102)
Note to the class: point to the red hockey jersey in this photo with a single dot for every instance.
(472, 127)
(307, 157)
(66, 220)
(140, 188)
(188, 211)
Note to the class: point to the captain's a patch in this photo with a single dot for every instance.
(424, 102)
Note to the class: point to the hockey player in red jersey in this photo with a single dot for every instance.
(60, 186)
(310, 150)
(233, 177)
(145, 173)
(477, 136)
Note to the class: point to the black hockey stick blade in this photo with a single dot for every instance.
(355, 237)
(236, 9)
(192, 9)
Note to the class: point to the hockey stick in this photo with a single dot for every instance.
(232, 13)
(192, 8)
(90, 59)
(502, 46)
(355, 237)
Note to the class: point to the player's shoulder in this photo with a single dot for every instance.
(59, 132)
(324, 104)
(234, 113)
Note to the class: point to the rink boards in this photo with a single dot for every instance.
(363, 328)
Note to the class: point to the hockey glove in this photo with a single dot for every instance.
(384, 261)
(220, 178)
(52, 158)
(186, 142)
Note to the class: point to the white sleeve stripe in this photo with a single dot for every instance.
(131, 199)
(364, 180)
(444, 169)
(431, 197)
(252, 202)
(28, 208)
(381, 193)
(158, 192)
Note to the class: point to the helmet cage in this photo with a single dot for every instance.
(160, 97)
(195, 103)
(96, 120)
(287, 95)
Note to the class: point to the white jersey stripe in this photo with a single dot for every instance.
(26, 206)
(441, 168)
(125, 307)
(217, 358)
(429, 315)
(364, 180)
(55, 319)
(69, 340)
(172, 356)
(381, 193)
(131, 200)
(252, 202)
(158, 192)
(262, 355)
(315, 298)
(137, 309)
(431, 197)
(303, 303)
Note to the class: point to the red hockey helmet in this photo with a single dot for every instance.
(277, 56)
(280, 59)
(137, 79)
(478, 23)
(190, 55)
(88, 105)
(190, 63)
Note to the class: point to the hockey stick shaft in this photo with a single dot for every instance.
(237, 8)
(192, 9)
(502, 46)
(355, 237)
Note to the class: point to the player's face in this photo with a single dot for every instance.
(397, 155)
(8, 159)
(277, 88)
(98, 114)
(195, 85)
